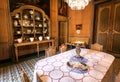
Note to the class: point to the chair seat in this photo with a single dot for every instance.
(97, 47)
(118, 77)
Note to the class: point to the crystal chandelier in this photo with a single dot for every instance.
(77, 4)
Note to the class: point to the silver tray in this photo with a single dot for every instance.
(77, 66)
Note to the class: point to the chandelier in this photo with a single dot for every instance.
(77, 4)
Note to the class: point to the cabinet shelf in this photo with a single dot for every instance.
(28, 33)
(18, 26)
(38, 20)
(39, 33)
(28, 27)
(29, 21)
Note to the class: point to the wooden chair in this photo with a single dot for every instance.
(25, 78)
(97, 46)
(38, 78)
(62, 48)
(50, 51)
(118, 77)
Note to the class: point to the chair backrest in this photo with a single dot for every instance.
(25, 78)
(62, 48)
(97, 47)
(118, 77)
(50, 51)
(38, 78)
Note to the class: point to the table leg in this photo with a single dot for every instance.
(16, 53)
(49, 43)
(38, 50)
(52, 42)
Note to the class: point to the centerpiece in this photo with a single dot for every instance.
(77, 63)
(78, 50)
(77, 66)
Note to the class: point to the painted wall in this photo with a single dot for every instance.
(84, 17)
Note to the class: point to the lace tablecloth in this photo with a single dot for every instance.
(55, 69)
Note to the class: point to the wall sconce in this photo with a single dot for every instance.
(78, 28)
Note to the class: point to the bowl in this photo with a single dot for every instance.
(31, 39)
(19, 40)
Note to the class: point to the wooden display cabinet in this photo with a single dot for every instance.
(29, 21)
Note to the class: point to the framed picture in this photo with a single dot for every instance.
(59, 4)
(62, 8)
(78, 26)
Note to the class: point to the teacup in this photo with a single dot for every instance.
(18, 32)
(40, 38)
(19, 40)
(48, 37)
(31, 39)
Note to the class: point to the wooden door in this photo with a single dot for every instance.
(5, 37)
(116, 29)
(108, 27)
(62, 32)
(102, 25)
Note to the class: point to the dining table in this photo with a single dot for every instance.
(56, 69)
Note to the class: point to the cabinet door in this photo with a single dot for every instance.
(116, 29)
(103, 26)
(108, 27)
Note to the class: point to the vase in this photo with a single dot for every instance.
(78, 50)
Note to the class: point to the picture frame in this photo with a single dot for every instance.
(78, 26)
(62, 8)
(59, 4)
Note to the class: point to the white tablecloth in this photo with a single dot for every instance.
(55, 69)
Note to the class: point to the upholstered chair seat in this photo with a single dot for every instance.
(97, 46)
